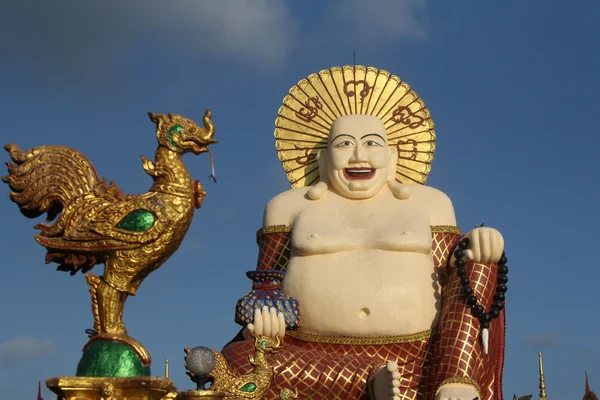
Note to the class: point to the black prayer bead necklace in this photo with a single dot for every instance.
(477, 310)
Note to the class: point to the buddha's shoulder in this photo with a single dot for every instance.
(282, 209)
(428, 192)
(283, 198)
(437, 203)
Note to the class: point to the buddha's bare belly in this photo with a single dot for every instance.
(364, 292)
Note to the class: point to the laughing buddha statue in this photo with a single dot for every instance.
(362, 270)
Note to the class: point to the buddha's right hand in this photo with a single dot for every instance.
(266, 322)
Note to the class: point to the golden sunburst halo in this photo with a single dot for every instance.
(308, 111)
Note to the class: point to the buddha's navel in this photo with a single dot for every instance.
(364, 313)
(313, 236)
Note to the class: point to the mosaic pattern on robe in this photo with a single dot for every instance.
(338, 371)
(453, 353)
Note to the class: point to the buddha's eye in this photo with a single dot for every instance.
(372, 143)
(345, 143)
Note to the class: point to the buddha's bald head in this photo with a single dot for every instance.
(357, 125)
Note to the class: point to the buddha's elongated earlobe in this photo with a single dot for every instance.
(322, 163)
(399, 190)
(317, 191)
(393, 162)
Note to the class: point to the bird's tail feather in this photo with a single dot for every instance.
(48, 178)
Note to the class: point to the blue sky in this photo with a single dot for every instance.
(512, 87)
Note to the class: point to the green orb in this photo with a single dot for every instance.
(106, 358)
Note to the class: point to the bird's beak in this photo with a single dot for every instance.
(201, 146)
(197, 149)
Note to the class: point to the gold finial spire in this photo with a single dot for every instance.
(542, 380)
(587, 383)
(166, 367)
(589, 395)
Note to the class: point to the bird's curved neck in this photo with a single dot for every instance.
(260, 360)
(172, 169)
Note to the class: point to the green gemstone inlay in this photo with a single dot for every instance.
(106, 358)
(248, 387)
(263, 343)
(137, 221)
(174, 129)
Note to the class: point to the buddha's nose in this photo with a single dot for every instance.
(358, 155)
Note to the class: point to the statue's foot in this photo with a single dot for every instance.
(387, 382)
(456, 391)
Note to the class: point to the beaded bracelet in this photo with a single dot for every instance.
(477, 310)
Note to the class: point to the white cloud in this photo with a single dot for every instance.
(381, 20)
(82, 41)
(23, 348)
(97, 46)
(245, 30)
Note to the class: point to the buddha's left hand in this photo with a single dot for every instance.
(456, 391)
(267, 322)
(486, 245)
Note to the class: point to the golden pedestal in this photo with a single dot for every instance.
(87, 388)
(202, 395)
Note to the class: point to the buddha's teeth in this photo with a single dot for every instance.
(359, 171)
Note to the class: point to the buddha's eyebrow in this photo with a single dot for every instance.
(373, 134)
(340, 135)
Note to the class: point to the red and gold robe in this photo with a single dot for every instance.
(321, 367)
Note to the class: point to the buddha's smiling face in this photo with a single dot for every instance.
(358, 157)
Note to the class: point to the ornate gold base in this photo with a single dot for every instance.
(87, 388)
(202, 395)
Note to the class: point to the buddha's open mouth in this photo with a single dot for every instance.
(359, 173)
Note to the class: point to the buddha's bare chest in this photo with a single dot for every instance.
(330, 228)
